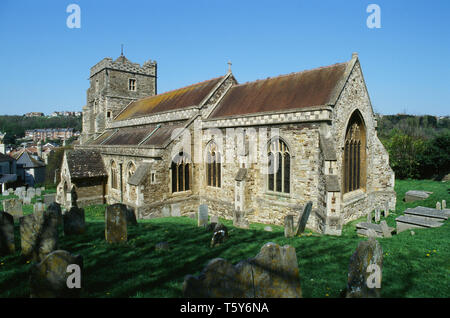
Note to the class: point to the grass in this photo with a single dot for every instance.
(413, 266)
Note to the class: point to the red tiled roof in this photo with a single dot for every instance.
(291, 91)
(183, 97)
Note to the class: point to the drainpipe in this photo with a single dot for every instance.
(121, 186)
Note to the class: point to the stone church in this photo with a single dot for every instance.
(256, 151)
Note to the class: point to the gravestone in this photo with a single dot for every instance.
(38, 235)
(165, 211)
(214, 219)
(377, 215)
(202, 215)
(192, 215)
(26, 200)
(48, 279)
(438, 205)
(13, 207)
(301, 225)
(49, 198)
(131, 217)
(38, 207)
(289, 226)
(366, 261)
(385, 229)
(444, 205)
(31, 192)
(74, 221)
(369, 216)
(386, 209)
(220, 235)
(414, 195)
(239, 220)
(116, 223)
(38, 192)
(7, 244)
(54, 208)
(273, 273)
(11, 190)
(5, 193)
(175, 210)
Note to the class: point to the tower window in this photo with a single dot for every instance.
(132, 84)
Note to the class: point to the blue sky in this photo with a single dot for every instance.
(45, 65)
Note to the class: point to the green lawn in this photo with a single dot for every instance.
(413, 266)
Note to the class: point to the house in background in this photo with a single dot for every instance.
(30, 168)
(7, 169)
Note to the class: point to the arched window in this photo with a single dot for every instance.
(114, 180)
(180, 173)
(354, 154)
(213, 165)
(279, 176)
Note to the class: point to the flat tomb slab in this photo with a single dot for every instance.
(427, 213)
(406, 222)
(364, 226)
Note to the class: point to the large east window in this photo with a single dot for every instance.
(180, 173)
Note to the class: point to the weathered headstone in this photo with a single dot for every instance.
(165, 211)
(11, 190)
(131, 217)
(74, 221)
(438, 205)
(444, 205)
(220, 235)
(214, 219)
(273, 273)
(27, 200)
(7, 244)
(5, 193)
(414, 195)
(31, 192)
(13, 207)
(239, 219)
(301, 225)
(385, 229)
(377, 215)
(50, 277)
(289, 226)
(38, 234)
(365, 270)
(54, 208)
(116, 223)
(202, 214)
(49, 198)
(38, 207)
(175, 210)
(38, 192)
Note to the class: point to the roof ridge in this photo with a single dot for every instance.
(291, 74)
(176, 89)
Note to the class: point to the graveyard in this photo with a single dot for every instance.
(157, 254)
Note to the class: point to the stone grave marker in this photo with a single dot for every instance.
(214, 219)
(38, 235)
(202, 215)
(26, 200)
(301, 225)
(385, 229)
(74, 221)
(239, 220)
(13, 207)
(131, 217)
(5, 193)
(49, 278)
(165, 211)
(272, 273)
(414, 195)
(366, 261)
(38, 207)
(289, 226)
(444, 205)
(49, 198)
(7, 244)
(220, 234)
(438, 205)
(175, 210)
(116, 223)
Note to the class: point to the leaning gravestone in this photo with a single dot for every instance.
(202, 215)
(7, 245)
(273, 273)
(289, 226)
(50, 277)
(116, 223)
(38, 235)
(304, 218)
(414, 195)
(365, 270)
(74, 221)
(13, 207)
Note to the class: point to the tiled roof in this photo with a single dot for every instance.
(85, 163)
(296, 90)
(183, 97)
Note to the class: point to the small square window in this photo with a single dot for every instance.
(108, 114)
(132, 84)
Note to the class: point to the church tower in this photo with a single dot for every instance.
(113, 85)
